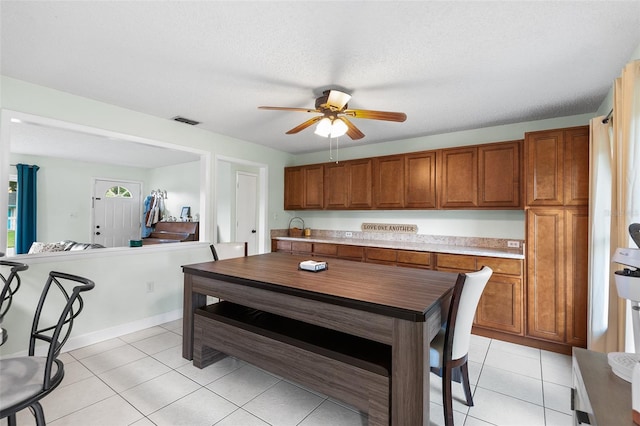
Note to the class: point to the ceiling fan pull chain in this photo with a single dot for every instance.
(330, 152)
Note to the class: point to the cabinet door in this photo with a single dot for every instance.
(577, 256)
(459, 178)
(351, 252)
(336, 185)
(420, 180)
(414, 259)
(360, 182)
(381, 255)
(388, 186)
(576, 167)
(301, 247)
(500, 307)
(499, 170)
(325, 249)
(282, 245)
(313, 186)
(544, 174)
(293, 188)
(546, 284)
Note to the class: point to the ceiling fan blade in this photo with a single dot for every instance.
(288, 109)
(352, 131)
(376, 115)
(305, 124)
(338, 99)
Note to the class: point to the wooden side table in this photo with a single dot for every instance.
(598, 396)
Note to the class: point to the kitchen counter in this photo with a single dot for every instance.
(412, 245)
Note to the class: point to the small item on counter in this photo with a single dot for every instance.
(307, 232)
(294, 231)
(635, 394)
(313, 266)
(622, 363)
(135, 243)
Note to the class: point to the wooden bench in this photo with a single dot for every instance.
(349, 368)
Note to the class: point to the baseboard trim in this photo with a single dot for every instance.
(94, 337)
(120, 330)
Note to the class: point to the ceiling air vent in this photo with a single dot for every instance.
(185, 120)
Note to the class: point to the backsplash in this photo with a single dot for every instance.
(495, 243)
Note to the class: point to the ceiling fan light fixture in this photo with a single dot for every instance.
(338, 128)
(337, 99)
(324, 128)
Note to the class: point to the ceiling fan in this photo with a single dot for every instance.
(333, 121)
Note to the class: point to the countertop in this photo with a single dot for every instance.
(417, 246)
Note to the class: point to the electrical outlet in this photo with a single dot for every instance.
(513, 244)
(150, 287)
(348, 234)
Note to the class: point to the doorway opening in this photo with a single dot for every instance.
(230, 174)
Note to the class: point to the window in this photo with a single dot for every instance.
(118, 192)
(12, 213)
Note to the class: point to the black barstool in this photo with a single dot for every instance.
(11, 284)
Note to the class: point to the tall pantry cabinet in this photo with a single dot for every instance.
(557, 199)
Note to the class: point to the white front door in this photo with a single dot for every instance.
(246, 210)
(117, 212)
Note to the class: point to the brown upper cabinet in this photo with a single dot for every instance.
(499, 175)
(347, 185)
(336, 192)
(388, 183)
(474, 177)
(482, 176)
(303, 187)
(557, 169)
(420, 180)
(459, 178)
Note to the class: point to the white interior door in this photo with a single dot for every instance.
(246, 210)
(117, 212)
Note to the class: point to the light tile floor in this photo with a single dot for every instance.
(141, 379)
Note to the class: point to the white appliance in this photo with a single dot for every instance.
(628, 286)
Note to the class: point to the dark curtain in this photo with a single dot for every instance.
(27, 211)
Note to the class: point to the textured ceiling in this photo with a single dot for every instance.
(448, 65)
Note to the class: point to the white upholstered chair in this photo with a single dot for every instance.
(449, 349)
(221, 251)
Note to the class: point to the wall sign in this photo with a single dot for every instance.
(389, 227)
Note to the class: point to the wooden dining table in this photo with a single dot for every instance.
(399, 306)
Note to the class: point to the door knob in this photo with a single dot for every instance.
(98, 233)
(253, 231)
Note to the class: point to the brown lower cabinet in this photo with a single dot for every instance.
(501, 305)
(547, 309)
(557, 271)
(409, 258)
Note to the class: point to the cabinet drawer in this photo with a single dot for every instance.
(300, 247)
(380, 254)
(420, 258)
(350, 252)
(283, 245)
(502, 266)
(325, 249)
(466, 263)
